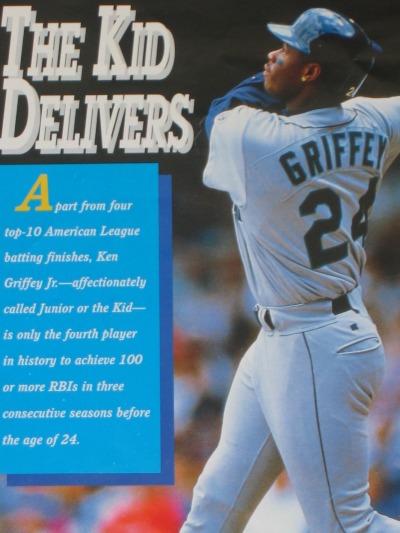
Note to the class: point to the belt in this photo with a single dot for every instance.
(336, 307)
(341, 304)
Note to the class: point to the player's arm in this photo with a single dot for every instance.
(249, 92)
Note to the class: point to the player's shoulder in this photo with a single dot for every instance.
(385, 110)
(380, 112)
(236, 122)
(240, 113)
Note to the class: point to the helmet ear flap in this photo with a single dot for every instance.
(354, 85)
(356, 77)
(345, 66)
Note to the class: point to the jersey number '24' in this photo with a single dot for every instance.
(318, 255)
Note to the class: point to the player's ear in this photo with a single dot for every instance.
(311, 72)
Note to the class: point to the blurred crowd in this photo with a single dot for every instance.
(213, 326)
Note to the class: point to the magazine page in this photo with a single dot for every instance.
(199, 267)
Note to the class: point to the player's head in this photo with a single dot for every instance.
(338, 44)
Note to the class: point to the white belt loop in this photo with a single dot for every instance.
(264, 321)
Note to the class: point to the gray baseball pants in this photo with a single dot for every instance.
(300, 400)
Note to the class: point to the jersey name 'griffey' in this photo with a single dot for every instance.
(322, 169)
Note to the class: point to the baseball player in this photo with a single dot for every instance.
(302, 184)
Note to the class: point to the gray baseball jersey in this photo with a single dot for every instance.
(302, 188)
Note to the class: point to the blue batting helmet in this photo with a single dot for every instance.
(316, 31)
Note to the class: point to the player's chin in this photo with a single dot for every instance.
(267, 83)
(269, 88)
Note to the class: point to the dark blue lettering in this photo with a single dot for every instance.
(354, 146)
(294, 171)
(339, 147)
(327, 150)
(368, 149)
(312, 154)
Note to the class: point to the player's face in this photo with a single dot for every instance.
(283, 72)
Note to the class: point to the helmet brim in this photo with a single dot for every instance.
(285, 34)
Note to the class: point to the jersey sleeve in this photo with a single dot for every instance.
(249, 92)
(225, 169)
